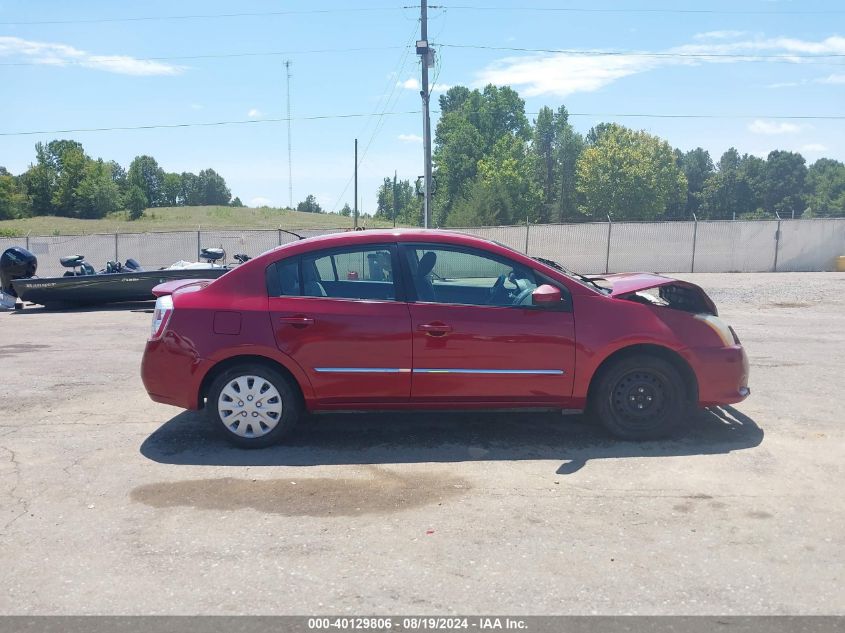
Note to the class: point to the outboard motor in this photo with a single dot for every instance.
(16, 263)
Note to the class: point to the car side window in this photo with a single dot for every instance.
(468, 277)
(353, 273)
(283, 278)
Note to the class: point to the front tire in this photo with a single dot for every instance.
(253, 406)
(640, 398)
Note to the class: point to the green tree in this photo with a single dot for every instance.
(485, 204)
(629, 175)
(567, 150)
(97, 194)
(73, 164)
(698, 167)
(118, 176)
(309, 205)
(404, 199)
(471, 124)
(38, 182)
(145, 174)
(171, 190)
(136, 202)
(14, 201)
(784, 183)
(191, 192)
(728, 193)
(237, 202)
(507, 172)
(213, 188)
(346, 211)
(826, 188)
(51, 181)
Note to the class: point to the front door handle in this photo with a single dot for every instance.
(435, 329)
(299, 320)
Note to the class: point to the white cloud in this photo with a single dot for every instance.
(52, 54)
(410, 138)
(718, 35)
(813, 148)
(836, 78)
(254, 113)
(261, 202)
(197, 106)
(760, 126)
(412, 83)
(563, 74)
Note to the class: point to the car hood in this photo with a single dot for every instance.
(623, 285)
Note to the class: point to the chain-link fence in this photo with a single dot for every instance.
(706, 246)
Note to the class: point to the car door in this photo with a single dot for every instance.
(476, 334)
(340, 314)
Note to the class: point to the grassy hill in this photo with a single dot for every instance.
(183, 218)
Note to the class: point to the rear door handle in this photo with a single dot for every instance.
(298, 320)
(435, 329)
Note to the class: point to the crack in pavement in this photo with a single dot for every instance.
(13, 459)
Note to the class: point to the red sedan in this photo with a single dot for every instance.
(414, 319)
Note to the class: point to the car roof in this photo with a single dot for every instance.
(351, 237)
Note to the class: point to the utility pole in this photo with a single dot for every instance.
(395, 202)
(426, 54)
(355, 212)
(290, 164)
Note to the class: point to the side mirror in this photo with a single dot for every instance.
(545, 295)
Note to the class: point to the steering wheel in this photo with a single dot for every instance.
(498, 290)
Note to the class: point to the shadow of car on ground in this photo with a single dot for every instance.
(420, 437)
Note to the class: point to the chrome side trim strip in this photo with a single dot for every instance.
(361, 370)
(536, 372)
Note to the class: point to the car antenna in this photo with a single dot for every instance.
(296, 235)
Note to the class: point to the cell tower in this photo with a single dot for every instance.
(290, 164)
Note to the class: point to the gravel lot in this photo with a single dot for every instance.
(112, 504)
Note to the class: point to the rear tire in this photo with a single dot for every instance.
(640, 398)
(253, 406)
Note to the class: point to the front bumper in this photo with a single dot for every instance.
(722, 375)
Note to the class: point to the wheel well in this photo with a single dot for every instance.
(685, 371)
(234, 361)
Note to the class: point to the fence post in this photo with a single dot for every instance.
(694, 236)
(777, 242)
(27, 241)
(527, 228)
(199, 248)
(607, 259)
(116, 257)
(280, 235)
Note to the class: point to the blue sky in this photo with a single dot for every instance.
(74, 73)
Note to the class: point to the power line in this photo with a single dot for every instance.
(639, 10)
(604, 53)
(106, 58)
(610, 115)
(205, 124)
(201, 16)
(393, 78)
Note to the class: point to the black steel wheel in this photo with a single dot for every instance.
(640, 398)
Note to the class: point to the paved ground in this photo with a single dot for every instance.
(110, 503)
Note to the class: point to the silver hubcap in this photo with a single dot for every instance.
(250, 406)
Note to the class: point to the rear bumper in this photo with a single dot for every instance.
(172, 372)
(722, 375)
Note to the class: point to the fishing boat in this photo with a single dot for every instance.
(82, 285)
